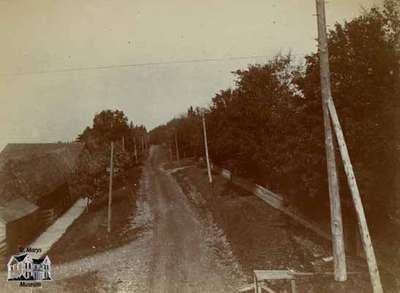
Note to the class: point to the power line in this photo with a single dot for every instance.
(105, 67)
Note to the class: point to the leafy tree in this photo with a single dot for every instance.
(108, 125)
(269, 127)
(365, 70)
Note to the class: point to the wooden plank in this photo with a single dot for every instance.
(246, 288)
(351, 180)
(293, 286)
(273, 199)
(276, 201)
(307, 224)
(264, 275)
(266, 195)
(3, 247)
(261, 276)
(267, 289)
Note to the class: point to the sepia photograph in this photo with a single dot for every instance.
(215, 146)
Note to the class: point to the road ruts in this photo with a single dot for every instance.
(182, 260)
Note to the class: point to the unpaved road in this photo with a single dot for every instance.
(182, 261)
(179, 250)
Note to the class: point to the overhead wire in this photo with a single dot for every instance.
(115, 66)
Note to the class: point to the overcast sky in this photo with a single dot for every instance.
(51, 35)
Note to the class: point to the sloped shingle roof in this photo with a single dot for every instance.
(16, 209)
(31, 171)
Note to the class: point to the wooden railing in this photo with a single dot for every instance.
(274, 200)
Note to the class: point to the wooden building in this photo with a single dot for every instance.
(34, 189)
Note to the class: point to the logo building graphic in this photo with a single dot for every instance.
(23, 267)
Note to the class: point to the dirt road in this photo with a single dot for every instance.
(185, 257)
(178, 250)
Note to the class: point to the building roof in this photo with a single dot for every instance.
(15, 151)
(38, 261)
(20, 257)
(15, 209)
(30, 171)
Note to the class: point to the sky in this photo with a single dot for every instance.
(43, 99)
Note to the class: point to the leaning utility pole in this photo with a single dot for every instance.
(339, 255)
(355, 193)
(176, 146)
(110, 188)
(206, 149)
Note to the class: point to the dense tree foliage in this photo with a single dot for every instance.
(108, 125)
(365, 72)
(187, 132)
(269, 127)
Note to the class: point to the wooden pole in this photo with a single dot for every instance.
(293, 285)
(362, 222)
(339, 255)
(206, 149)
(176, 146)
(110, 188)
(135, 150)
(170, 151)
(123, 143)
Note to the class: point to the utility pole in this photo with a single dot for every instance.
(135, 150)
(110, 188)
(362, 222)
(206, 149)
(123, 143)
(170, 151)
(339, 255)
(176, 146)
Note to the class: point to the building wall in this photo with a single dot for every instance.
(22, 231)
(3, 240)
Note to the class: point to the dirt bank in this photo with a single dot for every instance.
(88, 234)
(264, 238)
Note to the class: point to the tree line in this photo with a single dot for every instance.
(130, 143)
(269, 126)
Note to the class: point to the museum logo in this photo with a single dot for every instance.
(29, 271)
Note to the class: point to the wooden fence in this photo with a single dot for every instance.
(274, 200)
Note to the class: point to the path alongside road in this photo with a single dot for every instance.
(58, 228)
